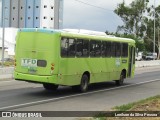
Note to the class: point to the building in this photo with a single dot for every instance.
(5, 50)
(32, 13)
(10, 36)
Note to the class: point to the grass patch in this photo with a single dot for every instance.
(149, 104)
(146, 102)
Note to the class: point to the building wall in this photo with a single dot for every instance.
(33, 13)
(22, 17)
(14, 13)
(37, 10)
(6, 6)
(47, 14)
(29, 13)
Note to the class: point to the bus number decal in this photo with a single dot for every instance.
(25, 62)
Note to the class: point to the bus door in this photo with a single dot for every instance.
(131, 50)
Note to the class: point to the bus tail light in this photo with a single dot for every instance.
(52, 66)
(15, 64)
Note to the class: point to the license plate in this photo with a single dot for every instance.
(26, 62)
(32, 71)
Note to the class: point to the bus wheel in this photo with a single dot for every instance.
(121, 80)
(83, 87)
(50, 87)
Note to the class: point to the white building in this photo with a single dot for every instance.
(10, 36)
(32, 13)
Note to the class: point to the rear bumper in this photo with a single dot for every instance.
(36, 78)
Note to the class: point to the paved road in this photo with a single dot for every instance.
(21, 96)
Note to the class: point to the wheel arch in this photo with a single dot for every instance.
(88, 74)
(124, 72)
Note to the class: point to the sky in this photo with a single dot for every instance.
(81, 16)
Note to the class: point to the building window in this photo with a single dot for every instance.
(13, 18)
(29, 7)
(37, 18)
(45, 17)
(45, 6)
(52, 7)
(21, 7)
(51, 18)
(21, 18)
(37, 6)
(29, 18)
(14, 8)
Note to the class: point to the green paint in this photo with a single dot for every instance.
(67, 71)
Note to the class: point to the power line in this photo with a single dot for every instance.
(93, 5)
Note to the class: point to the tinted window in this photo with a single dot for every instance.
(71, 47)
(64, 47)
(103, 48)
(118, 49)
(108, 49)
(42, 63)
(113, 49)
(124, 50)
(85, 48)
(68, 47)
(79, 51)
(95, 48)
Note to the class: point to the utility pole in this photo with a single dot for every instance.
(154, 28)
(158, 45)
(3, 32)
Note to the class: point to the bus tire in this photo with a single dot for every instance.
(121, 80)
(50, 87)
(83, 87)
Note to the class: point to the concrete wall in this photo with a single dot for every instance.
(22, 17)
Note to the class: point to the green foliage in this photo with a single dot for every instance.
(139, 23)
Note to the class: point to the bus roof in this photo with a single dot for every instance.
(79, 33)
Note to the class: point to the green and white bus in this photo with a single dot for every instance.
(72, 58)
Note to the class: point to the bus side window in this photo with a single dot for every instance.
(108, 49)
(86, 48)
(104, 49)
(64, 47)
(113, 50)
(124, 50)
(95, 48)
(98, 49)
(71, 47)
(118, 49)
(79, 51)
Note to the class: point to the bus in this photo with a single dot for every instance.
(72, 58)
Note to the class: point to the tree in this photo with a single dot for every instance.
(132, 16)
(138, 21)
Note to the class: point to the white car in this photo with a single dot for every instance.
(151, 56)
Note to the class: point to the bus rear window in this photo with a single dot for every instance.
(41, 63)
